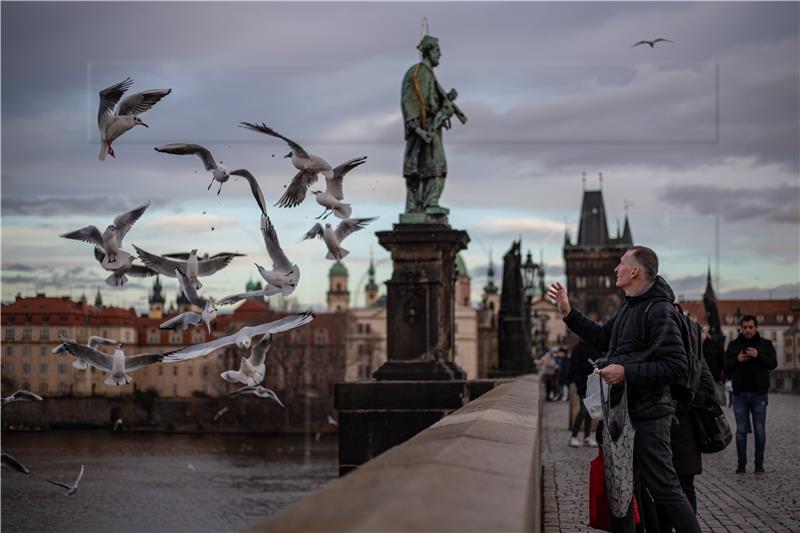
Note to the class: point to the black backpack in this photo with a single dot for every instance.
(690, 335)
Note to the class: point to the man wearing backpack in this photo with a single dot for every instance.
(748, 360)
(645, 350)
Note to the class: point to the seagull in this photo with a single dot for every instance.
(21, 396)
(191, 267)
(79, 362)
(70, 490)
(653, 43)
(333, 238)
(111, 124)
(251, 369)
(118, 277)
(184, 320)
(332, 198)
(259, 391)
(332, 421)
(241, 338)
(283, 277)
(220, 414)
(9, 462)
(309, 166)
(110, 241)
(220, 173)
(117, 365)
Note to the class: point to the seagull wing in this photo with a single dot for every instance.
(199, 350)
(59, 484)
(662, 40)
(88, 234)
(188, 290)
(99, 254)
(297, 189)
(266, 130)
(98, 341)
(110, 96)
(190, 149)
(265, 293)
(206, 267)
(183, 321)
(79, 478)
(138, 103)
(258, 354)
(125, 221)
(279, 259)
(182, 255)
(282, 324)
(350, 225)
(26, 395)
(136, 362)
(243, 390)
(160, 264)
(96, 358)
(254, 187)
(140, 271)
(642, 42)
(334, 184)
(10, 462)
(315, 231)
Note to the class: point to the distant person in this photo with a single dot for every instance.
(748, 360)
(562, 375)
(714, 354)
(546, 366)
(645, 351)
(581, 365)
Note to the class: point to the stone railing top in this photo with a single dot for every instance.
(475, 470)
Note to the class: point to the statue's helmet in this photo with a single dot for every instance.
(427, 42)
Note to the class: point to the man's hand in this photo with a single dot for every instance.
(612, 374)
(558, 295)
(742, 357)
(752, 352)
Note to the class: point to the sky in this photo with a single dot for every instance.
(689, 136)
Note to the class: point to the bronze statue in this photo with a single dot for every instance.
(426, 110)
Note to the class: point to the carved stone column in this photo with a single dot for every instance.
(420, 302)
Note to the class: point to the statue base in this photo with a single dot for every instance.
(431, 215)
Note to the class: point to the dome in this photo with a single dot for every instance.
(338, 269)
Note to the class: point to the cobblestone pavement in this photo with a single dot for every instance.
(726, 501)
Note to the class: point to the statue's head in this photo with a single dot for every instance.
(429, 46)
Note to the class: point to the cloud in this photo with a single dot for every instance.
(67, 205)
(786, 290)
(18, 267)
(188, 223)
(778, 204)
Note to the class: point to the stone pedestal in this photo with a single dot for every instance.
(420, 302)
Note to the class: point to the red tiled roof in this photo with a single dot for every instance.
(47, 310)
(770, 310)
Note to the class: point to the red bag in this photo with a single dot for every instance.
(599, 513)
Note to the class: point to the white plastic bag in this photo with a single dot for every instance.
(593, 400)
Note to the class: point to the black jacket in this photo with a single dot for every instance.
(753, 374)
(579, 365)
(686, 456)
(644, 337)
(714, 354)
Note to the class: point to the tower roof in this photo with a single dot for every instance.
(461, 266)
(627, 237)
(157, 296)
(338, 269)
(593, 228)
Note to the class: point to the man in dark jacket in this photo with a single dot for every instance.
(580, 367)
(748, 361)
(645, 349)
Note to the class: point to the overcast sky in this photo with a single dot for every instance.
(686, 133)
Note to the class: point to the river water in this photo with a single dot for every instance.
(153, 482)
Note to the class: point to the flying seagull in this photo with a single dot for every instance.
(653, 42)
(241, 338)
(9, 462)
(117, 365)
(332, 421)
(219, 172)
(283, 277)
(191, 267)
(259, 391)
(110, 241)
(184, 320)
(220, 414)
(80, 363)
(309, 166)
(21, 396)
(70, 489)
(332, 198)
(113, 124)
(118, 278)
(333, 238)
(251, 369)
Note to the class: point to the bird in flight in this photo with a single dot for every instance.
(653, 42)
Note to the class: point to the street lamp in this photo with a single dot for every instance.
(528, 281)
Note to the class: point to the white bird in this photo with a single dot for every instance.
(220, 414)
(110, 241)
(191, 267)
(241, 338)
(21, 396)
(70, 489)
(332, 198)
(80, 363)
(283, 277)
(118, 278)
(309, 166)
(259, 391)
(333, 238)
(332, 421)
(117, 365)
(9, 462)
(219, 172)
(111, 124)
(184, 320)
(251, 369)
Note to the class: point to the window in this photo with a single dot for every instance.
(63, 332)
(26, 369)
(175, 370)
(26, 334)
(9, 334)
(360, 328)
(779, 318)
(788, 341)
(367, 328)
(26, 385)
(8, 368)
(43, 368)
(43, 387)
(161, 371)
(44, 334)
(9, 350)
(63, 388)
(205, 370)
(26, 350)
(174, 389)
(321, 336)
(189, 370)
(62, 368)
(43, 350)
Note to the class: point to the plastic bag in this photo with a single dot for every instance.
(593, 400)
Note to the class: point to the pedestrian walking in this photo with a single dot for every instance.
(580, 367)
(645, 351)
(748, 360)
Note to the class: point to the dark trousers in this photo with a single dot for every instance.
(745, 404)
(652, 463)
(583, 416)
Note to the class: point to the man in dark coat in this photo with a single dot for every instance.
(748, 360)
(645, 349)
(580, 366)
